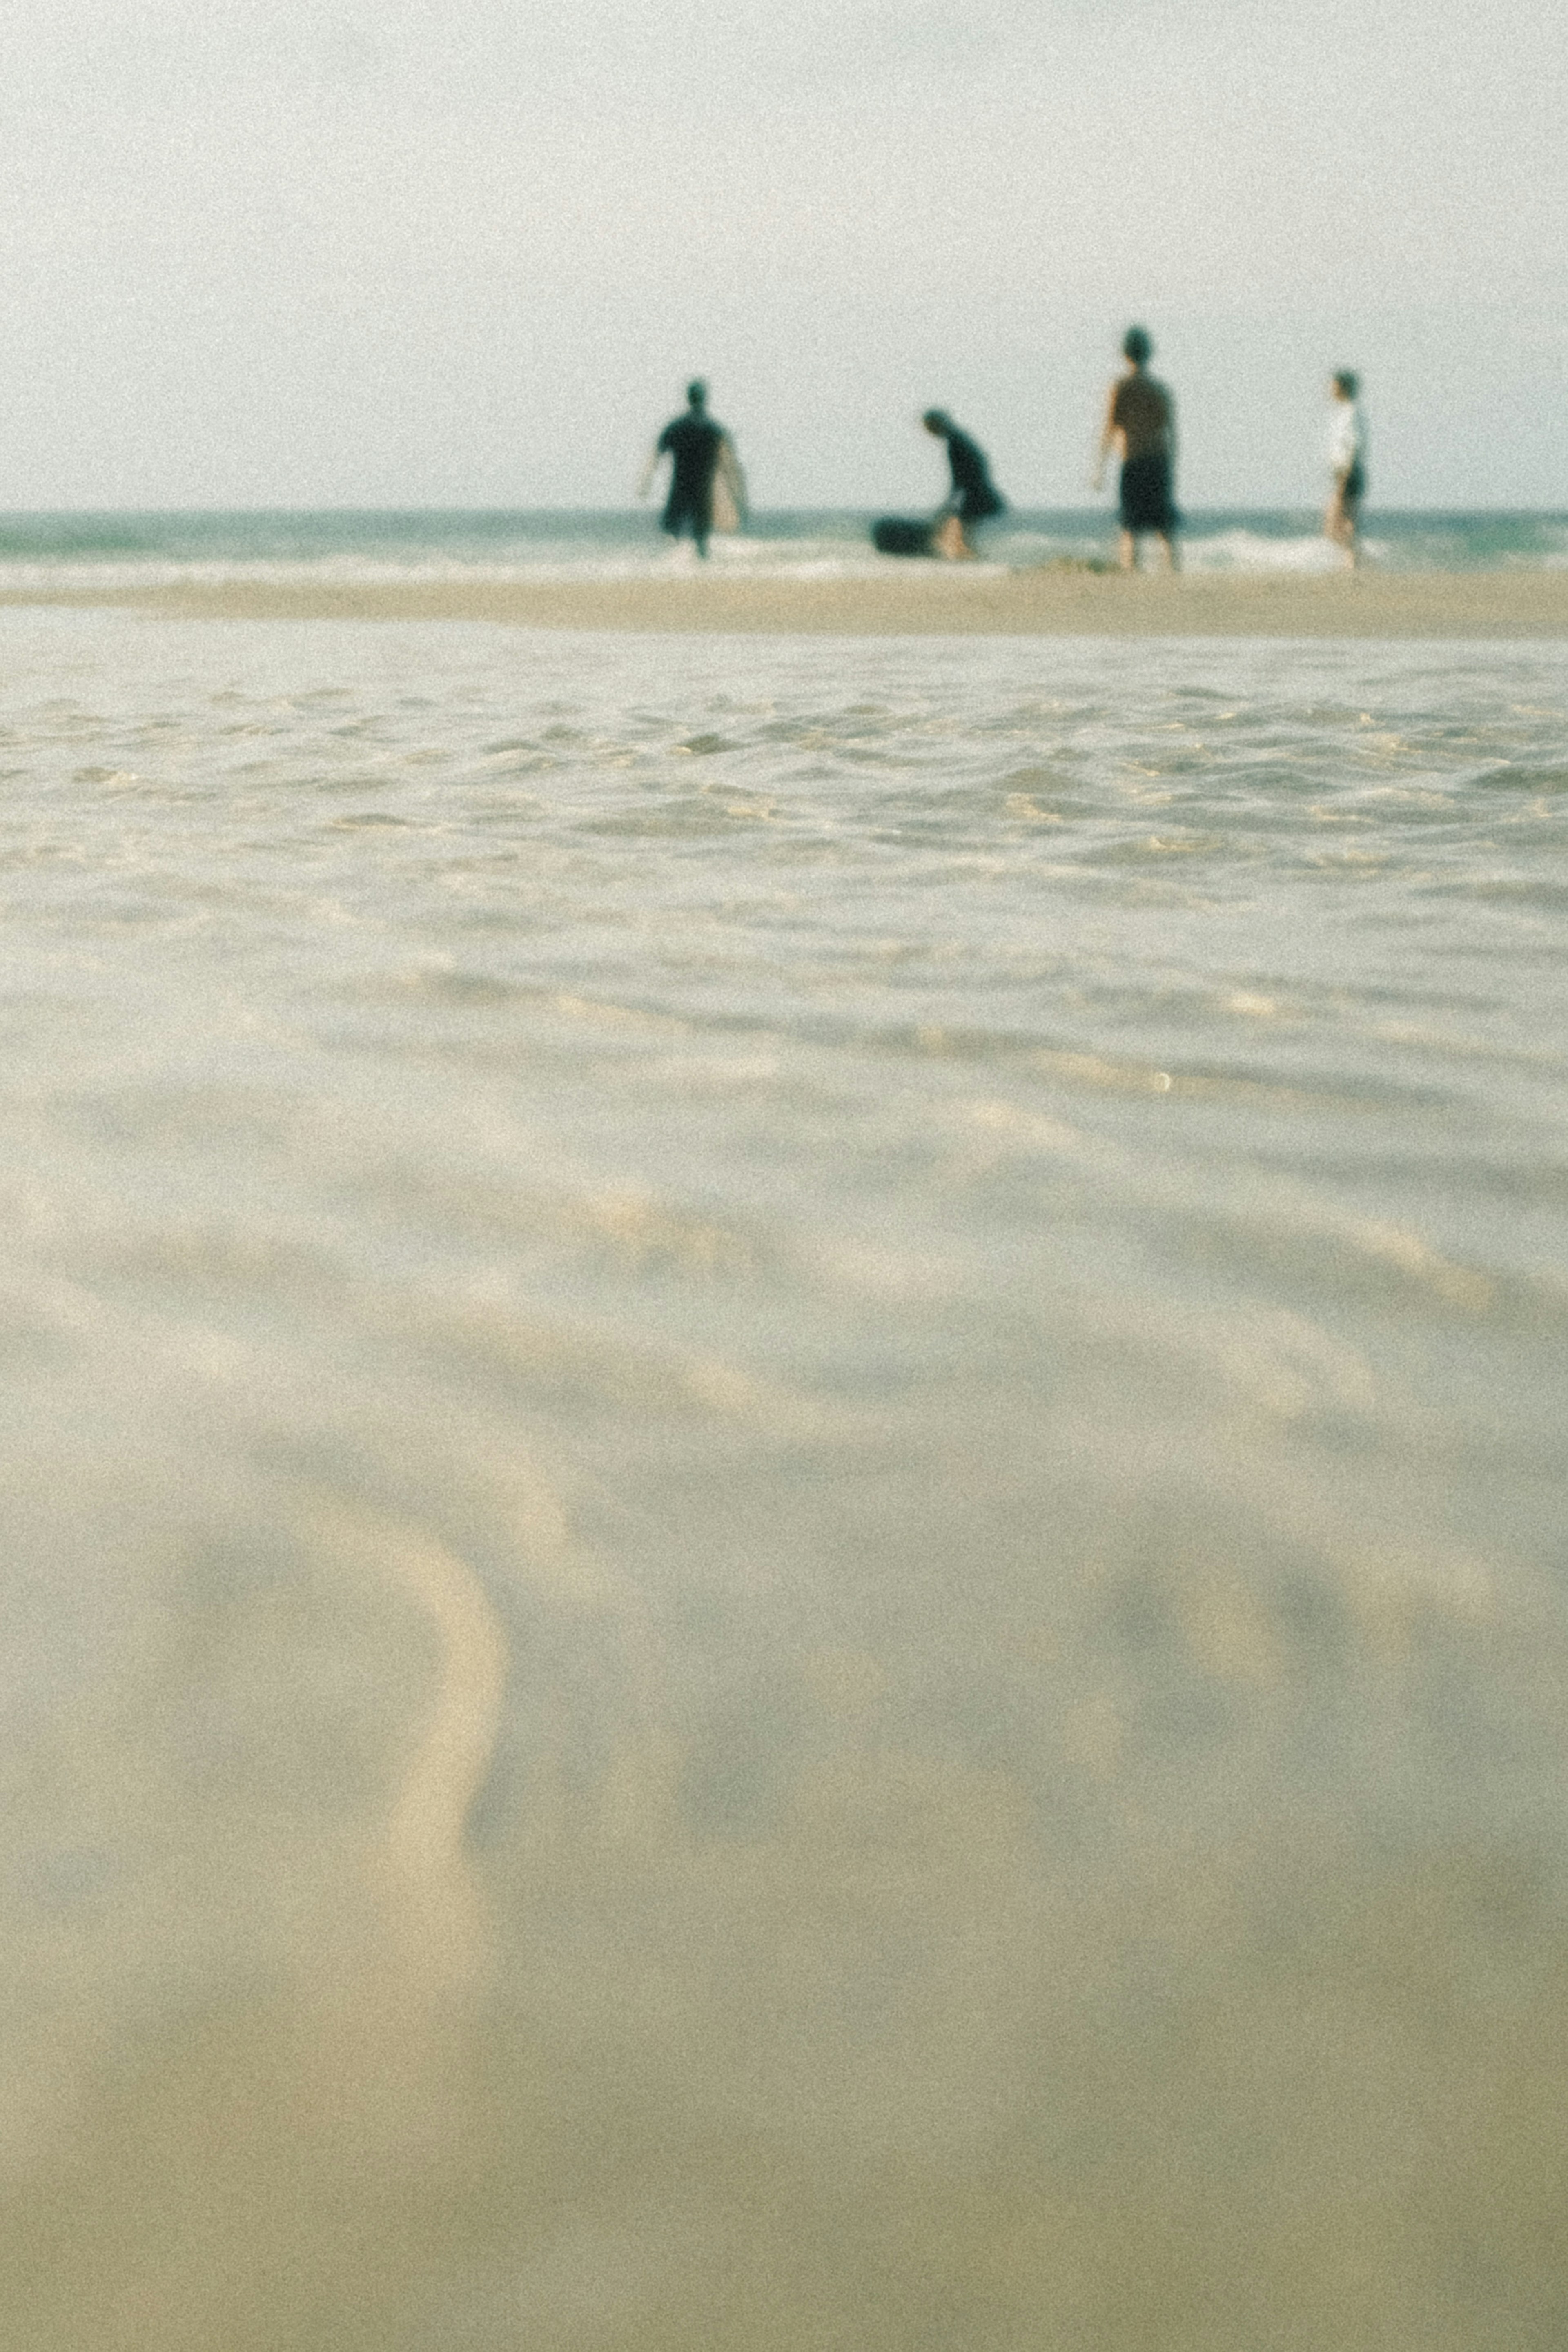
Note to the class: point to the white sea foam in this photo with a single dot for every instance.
(61, 553)
(1250, 550)
(762, 559)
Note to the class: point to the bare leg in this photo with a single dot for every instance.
(1173, 554)
(948, 539)
(1340, 525)
(1129, 551)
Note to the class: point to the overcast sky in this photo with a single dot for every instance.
(465, 252)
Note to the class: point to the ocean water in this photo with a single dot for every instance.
(784, 1550)
(78, 549)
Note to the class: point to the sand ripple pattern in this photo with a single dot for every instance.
(783, 1550)
(437, 1910)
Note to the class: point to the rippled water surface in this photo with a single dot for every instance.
(784, 1556)
(344, 546)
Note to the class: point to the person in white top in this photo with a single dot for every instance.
(1347, 464)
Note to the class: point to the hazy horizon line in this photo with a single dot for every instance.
(1106, 510)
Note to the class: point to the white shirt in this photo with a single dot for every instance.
(1347, 438)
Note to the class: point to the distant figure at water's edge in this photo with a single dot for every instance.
(973, 498)
(707, 490)
(1140, 418)
(1347, 465)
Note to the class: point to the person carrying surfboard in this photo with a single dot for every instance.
(707, 488)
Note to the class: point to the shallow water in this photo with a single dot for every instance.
(72, 551)
(784, 1561)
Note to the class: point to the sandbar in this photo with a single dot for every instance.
(916, 601)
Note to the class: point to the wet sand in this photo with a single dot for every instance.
(920, 602)
(782, 1546)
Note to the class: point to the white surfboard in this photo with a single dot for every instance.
(728, 492)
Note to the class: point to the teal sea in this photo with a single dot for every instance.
(128, 547)
(782, 1560)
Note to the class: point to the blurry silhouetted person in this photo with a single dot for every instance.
(1347, 465)
(706, 487)
(1141, 418)
(973, 497)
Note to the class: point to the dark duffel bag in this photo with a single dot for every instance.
(893, 537)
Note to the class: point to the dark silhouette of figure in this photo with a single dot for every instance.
(1347, 465)
(1142, 416)
(702, 462)
(973, 497)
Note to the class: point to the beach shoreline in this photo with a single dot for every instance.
(1049, 601)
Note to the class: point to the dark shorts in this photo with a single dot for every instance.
(1352, 489)
(1146, 501)
(692, 512)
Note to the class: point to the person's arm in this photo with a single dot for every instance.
(663, 447)
(1108, 439)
